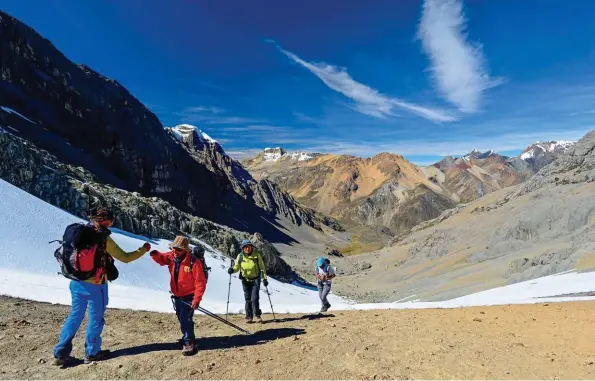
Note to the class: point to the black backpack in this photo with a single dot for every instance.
(194, 258)
(76, 237)
(79, 236)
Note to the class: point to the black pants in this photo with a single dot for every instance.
(252, 298)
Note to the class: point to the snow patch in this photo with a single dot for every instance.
(301, 156)
(278, 153)
(11, 111)
(528, 155)
(183, 131)
(273, 154)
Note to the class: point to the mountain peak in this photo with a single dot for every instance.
(475, 154)
(278, 153)
(541, 148)
(184, 131)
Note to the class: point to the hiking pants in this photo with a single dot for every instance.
(252, 298)
(84, 294)
(323, 291)
(184, 312)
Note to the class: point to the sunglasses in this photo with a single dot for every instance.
(178, 249)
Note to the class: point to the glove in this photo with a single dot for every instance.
(195, 305)
(230, 271)
(265, 282)
(147, 246)
(154, 252)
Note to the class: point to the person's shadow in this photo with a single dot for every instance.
(304, 317)
(217, 342)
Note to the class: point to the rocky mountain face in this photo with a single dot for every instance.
(540, 227)
(266, 195)
(89, 121)
(76, 190)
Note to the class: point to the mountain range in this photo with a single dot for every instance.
(386, 195)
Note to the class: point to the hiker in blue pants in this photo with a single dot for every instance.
(91, 290)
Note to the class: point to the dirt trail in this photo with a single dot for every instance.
(543, 341)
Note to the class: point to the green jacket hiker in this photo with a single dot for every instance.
(252, 270)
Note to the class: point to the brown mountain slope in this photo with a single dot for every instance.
(540, 227)
(385, 192)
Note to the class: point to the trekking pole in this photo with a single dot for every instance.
(271, 303)
(228, 292)
(209, 313)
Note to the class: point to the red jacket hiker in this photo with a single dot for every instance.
(189, 281)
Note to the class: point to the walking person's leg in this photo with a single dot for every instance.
(320, 295)
(256, 299)
(98, 302)
(326, 288)
(185, 315)
(72, 323)
(247, 286)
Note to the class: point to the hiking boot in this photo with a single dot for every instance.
(65, 361)
(249, 320)
(324, 309)
(259, 320)
(189, 349)
(100, 356)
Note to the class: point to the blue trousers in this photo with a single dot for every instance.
(84, 294)
(184, 312)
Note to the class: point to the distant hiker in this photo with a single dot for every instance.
(251, 266)
(87, 258)
(324, 273)
(188, 283)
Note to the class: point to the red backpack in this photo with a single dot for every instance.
(78, 251)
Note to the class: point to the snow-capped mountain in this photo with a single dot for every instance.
(542, 148)
(273, 154)
(184, 132)
(278, 153)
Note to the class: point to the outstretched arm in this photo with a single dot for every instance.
(115, 251)
(163, 259)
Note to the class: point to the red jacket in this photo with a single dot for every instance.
(189, 281)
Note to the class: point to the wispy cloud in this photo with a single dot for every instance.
(366, 100)
(458, 67)
(502, 143)
(244, 154)
(256, 128)
(212, 115)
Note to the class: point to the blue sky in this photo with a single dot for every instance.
(419, 78)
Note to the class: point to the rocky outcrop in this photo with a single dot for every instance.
(76, 190)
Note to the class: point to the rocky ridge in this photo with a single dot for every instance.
(76, 190)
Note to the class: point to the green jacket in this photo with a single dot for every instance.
(115, 251)
(252, 266)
